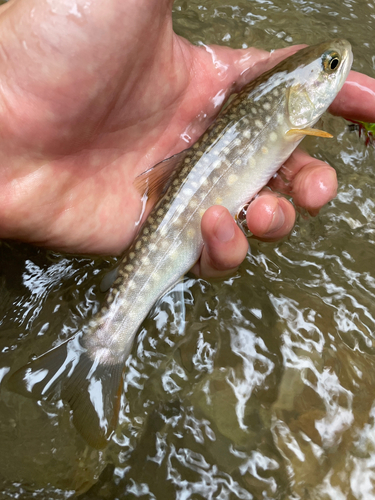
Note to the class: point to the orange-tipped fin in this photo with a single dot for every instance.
(309, 131)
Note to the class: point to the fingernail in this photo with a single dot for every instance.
(224, 228)
(278, 220)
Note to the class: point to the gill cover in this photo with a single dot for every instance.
(316, 82)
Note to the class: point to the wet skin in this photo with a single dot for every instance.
(87, 105)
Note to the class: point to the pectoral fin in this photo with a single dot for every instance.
(309, 131)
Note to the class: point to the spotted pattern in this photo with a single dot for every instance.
(242, 121)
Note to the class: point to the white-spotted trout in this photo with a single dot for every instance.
(228, 165)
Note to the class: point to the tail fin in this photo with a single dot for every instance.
(91, 389)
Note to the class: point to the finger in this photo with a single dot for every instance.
(255, 62)
(241, 65)
(270, 217)
(356, 100)
(225, 245)
(312, 183)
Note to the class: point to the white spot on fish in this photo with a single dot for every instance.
(193, 203)
(273, 136)
(218, 201)
(129, 267)
(163, 230)
(191, 232)
(237, 142)
(201, 212)
(232, 179)
(246, 134)
(226, 150)
(280, 118)
(138, 245)
(267, 106)
(264, 150)
(275, 93)
(131, 255)
(238, 162)
(216, 164)
(258, 123)
(254, 111)
(242, 112)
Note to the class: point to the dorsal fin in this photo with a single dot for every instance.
(154, 181)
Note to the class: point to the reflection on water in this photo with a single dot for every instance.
(261, 386)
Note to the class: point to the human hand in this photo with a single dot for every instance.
(94, 94)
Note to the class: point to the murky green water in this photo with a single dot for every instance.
(268, 390)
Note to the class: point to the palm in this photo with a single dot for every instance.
(94, 96)
(95, 112)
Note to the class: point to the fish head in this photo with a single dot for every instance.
(318, 74)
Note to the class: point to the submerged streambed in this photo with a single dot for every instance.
(267, 390)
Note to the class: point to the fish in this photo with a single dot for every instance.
(230, 163)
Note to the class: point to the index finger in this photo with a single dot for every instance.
(356, 100)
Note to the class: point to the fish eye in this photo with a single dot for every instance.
(331, 61)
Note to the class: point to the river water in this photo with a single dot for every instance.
(260, 386)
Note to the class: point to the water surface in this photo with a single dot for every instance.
(267, 390)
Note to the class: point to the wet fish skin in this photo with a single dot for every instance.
(227, 166)
(230, 163)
